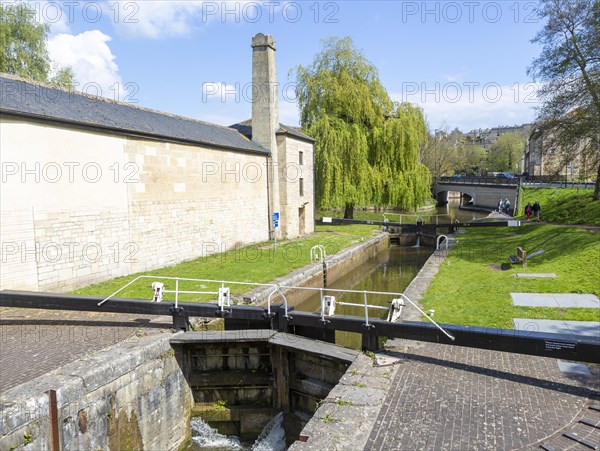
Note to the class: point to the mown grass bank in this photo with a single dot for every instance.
(258, 263)
(562, 205)
(471, 289)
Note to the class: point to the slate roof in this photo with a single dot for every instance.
(35, 100)
(245, 128)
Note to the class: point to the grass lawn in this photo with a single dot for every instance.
(253, 263)
(470, 288)
(562, 205)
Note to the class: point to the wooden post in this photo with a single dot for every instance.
(281, 372)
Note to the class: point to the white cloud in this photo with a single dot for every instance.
(174, 18)
(92, 61)
(155, 19)
(470, 106)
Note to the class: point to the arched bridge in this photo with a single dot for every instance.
(482, 191)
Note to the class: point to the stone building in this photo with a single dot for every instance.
(487, 137)
(94, 189)
(544, 158)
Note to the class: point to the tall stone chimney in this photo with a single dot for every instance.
(265, 109)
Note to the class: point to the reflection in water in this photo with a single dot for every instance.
(452, 210)
(391, 270)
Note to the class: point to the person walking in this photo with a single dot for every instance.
(528, 210)
(500, 205)
(536, 211)
(507, 206)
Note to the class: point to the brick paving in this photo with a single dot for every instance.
(452, 398)
(35, 342)
(438, 397)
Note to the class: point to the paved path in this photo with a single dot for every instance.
(452, 398)
(34, 342)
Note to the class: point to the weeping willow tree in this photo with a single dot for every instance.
(367, 147)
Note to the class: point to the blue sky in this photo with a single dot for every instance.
(463, 62)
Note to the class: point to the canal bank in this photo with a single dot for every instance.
(320, 273)
(417, 395)
(130, 395)
(350, 412)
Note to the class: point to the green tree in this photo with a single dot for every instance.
(469, 159)
(367, 147)
(438, 154)
(506, 152)
(569, 68)
(24, 50)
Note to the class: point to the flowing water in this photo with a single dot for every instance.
(205, 438)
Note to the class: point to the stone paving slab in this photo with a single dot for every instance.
(586, 328)
(34, 342)
(539, 275)
(557, 300)
(573, 368)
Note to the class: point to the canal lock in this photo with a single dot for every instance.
(241, 380)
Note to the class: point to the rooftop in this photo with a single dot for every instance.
(245, 128)
(39, 101)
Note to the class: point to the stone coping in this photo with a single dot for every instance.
(301, 275)
(568, 328)
(556, 300)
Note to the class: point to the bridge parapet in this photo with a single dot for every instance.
(484, 191)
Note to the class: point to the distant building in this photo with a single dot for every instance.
(94, 189)
(487, 137)
(543, 158)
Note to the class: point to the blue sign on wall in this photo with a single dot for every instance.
(275, 216)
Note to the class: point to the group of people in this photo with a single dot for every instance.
(504, 206)
(533, 210)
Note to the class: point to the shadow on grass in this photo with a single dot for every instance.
(556, 242)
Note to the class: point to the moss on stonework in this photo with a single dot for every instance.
(123, 432)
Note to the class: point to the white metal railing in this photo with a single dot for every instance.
(439, 241)
(224, 298)
(318, 253)
(365, 304)
(177, 291)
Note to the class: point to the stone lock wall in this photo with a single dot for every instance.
(130, 396)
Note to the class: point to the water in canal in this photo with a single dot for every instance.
(391, 270)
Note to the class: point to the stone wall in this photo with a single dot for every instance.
(193, 201)
(130, 396)
(297, 205)
(80, 207)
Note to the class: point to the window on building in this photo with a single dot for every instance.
(300, 158)
(301, 185)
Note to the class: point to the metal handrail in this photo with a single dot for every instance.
(318, 253)
(365, 292)
(278, 289)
